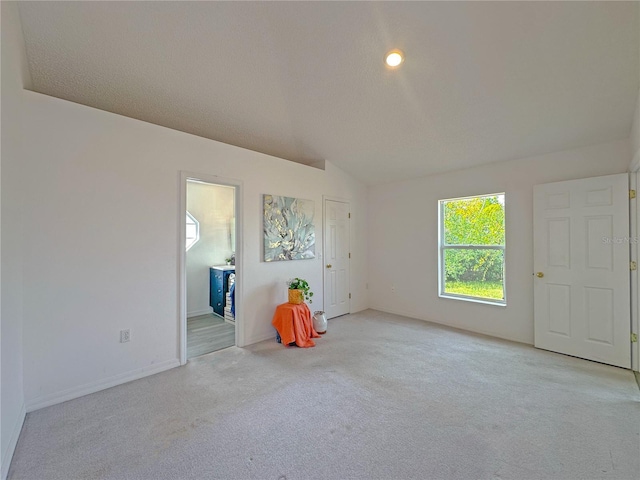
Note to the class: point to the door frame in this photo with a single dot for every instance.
(182, 256)
(324, 219)
(634, 248)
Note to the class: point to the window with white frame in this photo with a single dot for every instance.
(472, 248)
(193, 232)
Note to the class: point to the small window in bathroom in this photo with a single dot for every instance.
(193, 231)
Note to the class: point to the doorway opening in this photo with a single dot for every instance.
(209, 259)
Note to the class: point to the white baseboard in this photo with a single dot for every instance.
(358, 309)
(254, 340)
(7, 455)
(76, 392)
(417, 316)
(197, 313)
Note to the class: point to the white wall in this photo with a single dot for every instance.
(634, 137)
(213, 207)
(403, 232)
(101, 243)
(635, 133)
(14, 76)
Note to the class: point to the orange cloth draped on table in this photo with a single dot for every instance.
(294, 324)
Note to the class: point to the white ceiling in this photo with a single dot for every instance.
(304, 81)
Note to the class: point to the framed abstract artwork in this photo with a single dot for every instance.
(289, 233)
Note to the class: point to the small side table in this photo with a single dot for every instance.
(294, 324)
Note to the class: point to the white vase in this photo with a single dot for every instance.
(319, 322)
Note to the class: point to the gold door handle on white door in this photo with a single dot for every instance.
(539, 274)
(329, 265)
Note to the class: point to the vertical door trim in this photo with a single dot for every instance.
(182, 257)
(634, 221)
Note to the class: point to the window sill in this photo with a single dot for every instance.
(496, 303)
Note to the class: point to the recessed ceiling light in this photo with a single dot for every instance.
(394, 58)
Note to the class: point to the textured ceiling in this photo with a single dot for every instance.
(304, 81)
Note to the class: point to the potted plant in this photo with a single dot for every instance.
(299, 291)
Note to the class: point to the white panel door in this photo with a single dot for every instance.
(336, 258)
(581, 267)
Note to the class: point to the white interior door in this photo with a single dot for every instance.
(336, 258)
(581, 263)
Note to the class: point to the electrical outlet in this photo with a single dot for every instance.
(125, 335)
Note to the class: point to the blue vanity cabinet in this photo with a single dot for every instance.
(218, 286)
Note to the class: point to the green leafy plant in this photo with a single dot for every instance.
(301, 284)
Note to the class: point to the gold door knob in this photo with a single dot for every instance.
(539, 274)
(329, 265)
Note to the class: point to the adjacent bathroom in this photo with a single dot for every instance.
(210, 267)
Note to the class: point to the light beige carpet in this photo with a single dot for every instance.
(379, 397)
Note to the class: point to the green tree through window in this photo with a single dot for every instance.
(472, 244)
